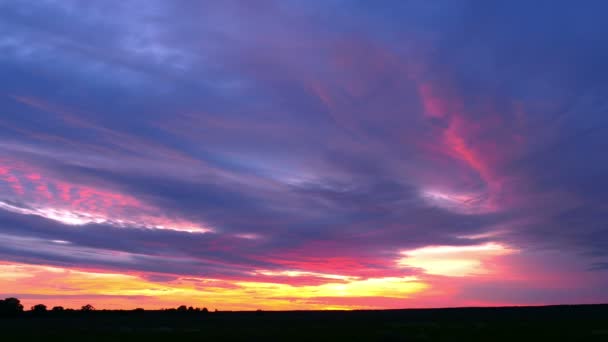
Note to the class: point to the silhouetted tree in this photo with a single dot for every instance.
(10, 306)
(205, 310)
(87, 308)
(57, 309)
(38, 308)
(138, 310)
(182, 308)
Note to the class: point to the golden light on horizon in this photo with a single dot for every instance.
(71, 288)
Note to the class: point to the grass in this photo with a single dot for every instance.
(551, 323)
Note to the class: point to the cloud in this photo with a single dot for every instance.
(453, 261)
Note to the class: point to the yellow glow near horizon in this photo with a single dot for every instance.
(73, 288)
(397, 287)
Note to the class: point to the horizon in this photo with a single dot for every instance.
(303, 155)
(184, 308)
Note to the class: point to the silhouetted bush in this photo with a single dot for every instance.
(13, 307)
(87, 308)
(10, 307)
(38, 309)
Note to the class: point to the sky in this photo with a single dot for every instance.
(281, 155)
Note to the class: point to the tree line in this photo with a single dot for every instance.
(12, 307)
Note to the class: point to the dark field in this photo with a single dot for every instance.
(553, 323)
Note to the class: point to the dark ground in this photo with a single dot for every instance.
(551, 323)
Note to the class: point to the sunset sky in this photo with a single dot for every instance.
(331, 154)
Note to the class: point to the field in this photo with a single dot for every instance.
(551, 323)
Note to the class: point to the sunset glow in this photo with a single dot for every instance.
(453, 261)
(293, 155)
